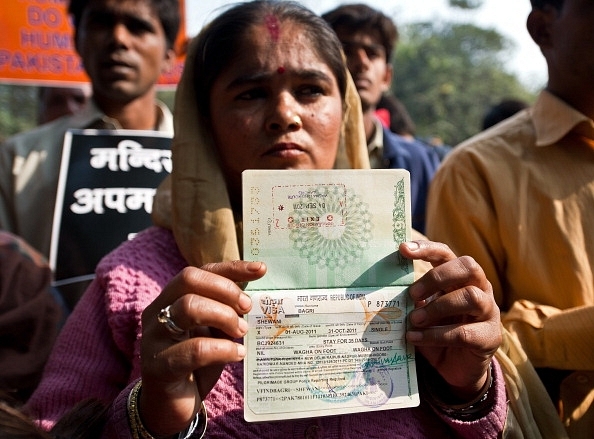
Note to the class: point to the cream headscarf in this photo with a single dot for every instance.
(193, 201)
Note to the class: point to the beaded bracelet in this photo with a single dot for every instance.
(140, 432)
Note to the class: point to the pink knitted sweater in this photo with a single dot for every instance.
(98, 355)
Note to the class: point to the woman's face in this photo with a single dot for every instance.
(276, 106)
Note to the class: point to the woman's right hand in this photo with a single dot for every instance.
(178, 371)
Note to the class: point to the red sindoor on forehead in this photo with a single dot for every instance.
(273, 26)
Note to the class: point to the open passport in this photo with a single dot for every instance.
(328, 319)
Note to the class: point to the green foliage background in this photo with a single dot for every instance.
(448, 75)
(18, 107)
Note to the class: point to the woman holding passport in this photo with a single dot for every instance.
(159, 339)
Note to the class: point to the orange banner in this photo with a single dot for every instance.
(36, 45)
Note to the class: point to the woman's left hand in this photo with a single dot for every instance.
(455, 324)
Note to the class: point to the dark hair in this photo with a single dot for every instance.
(168, 12)
(501, 111)
(219, 42)
(15, 425)
(540, 4)
(85, 420)
(360, 17)
(400, 121)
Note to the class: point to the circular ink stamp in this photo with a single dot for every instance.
(331, 226)
(376, 386)
(331, 384)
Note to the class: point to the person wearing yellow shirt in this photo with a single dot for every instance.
(519, 198)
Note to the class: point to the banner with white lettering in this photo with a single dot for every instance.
(105, 195)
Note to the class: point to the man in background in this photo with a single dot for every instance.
(125, 45)
(368, 37)
(31, 314)
(502, 110)
(519, 198)
(55, 102)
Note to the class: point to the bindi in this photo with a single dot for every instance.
(280, 70)
(273, 26)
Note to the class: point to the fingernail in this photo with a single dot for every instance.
(243, 326)
(418, 316)
(414, 336)
(254, 266)
(241, 351)
(412, 245)
(245, 302)
(416, 292)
